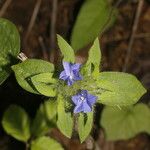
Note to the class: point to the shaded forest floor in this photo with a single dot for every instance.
(114, 45)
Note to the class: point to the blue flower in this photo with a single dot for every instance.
(70, 73)
(83, 101)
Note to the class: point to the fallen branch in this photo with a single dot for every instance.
(33, 18)
(134, 29)
(4, 8)
(53, 28)
(44, 51)
(126, 37)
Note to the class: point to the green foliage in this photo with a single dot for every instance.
(45, 84)
(65, 121)
(91, 20)
(125, 123)
(50, 109)
(40, 126)
(29, 68)
(66, 50)
(116, 88)
(45, 143)
(36, 76)
(85, 123)
(9, 47)
(45, 118)
(16, 123)
(93, 60)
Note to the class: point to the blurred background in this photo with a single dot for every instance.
(125, 44)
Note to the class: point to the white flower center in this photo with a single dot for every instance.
(71, 77)
(82, 98)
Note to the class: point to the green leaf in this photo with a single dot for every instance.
(66, 50)
(117, 88)
(45, 84)
(125, 123)
(9, 47)
(85, 125)
(16, 123)
(93, 60)
(39, 126)
(65, 121)
(50, 109)
(92, 18)
(45, 143)
(3, 75)
(44, 77)
(29, 68)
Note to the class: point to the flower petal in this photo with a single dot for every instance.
(76, 66)
(91, 99)
(84, 93)
(70, 73)
(77, 75)
(67, 67)
(63, 75)
(69, 82)
(83, 101)
(75, 99)
(78, 108)
(86, 107)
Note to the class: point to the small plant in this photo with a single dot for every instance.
(73, 91)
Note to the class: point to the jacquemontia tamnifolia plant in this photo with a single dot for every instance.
(73, 92)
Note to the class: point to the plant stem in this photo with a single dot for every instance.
(27, 146)
(75, 127)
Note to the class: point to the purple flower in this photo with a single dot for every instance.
(70, 73)
(83, 101)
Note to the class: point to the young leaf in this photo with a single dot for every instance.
(16, 123)
(66, 50)
(44, 84)
(93, 16)
(45, 143)
(39, 126)
(85, 125)
(93, 60)
(119, 88)
(65, 121)
(44, 77)
(9, 47)
(29, 68)
(122, 124)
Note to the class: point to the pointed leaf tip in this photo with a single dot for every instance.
(66, 50)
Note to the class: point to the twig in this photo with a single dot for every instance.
(53, 25)
(134, 29)
(4, 8)
(33, 18)
(126, 37)
(44, 51)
